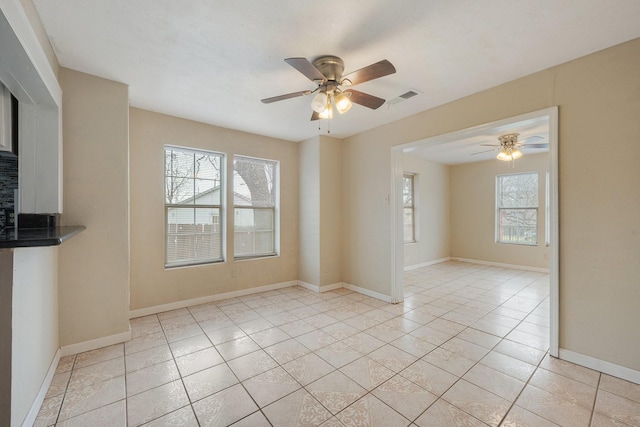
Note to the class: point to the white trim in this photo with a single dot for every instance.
(600, 365)
(554, 236)
(426, 264)
(211, 298)
(30, 419)
(94, 344)
(324, 288)
(28, 84)
(368, 292)
(501, 264)
(397, 228)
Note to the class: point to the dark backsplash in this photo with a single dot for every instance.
(8, 180)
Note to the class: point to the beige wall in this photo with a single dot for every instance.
(330, 207)
(431, 193)
(309, 206)
(320, 219)
(94, 265)
(599, 199)
(473, 212)
(151, 283)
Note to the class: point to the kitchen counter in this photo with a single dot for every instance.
(35, 237)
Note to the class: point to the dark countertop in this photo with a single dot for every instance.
(34, 237)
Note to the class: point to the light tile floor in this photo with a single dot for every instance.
(468, 347)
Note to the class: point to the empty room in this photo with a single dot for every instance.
(319, 214)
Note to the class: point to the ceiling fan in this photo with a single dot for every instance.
(509, 144)
(326, 73)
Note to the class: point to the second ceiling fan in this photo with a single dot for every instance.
(326, 73)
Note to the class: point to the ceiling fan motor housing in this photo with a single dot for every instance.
(509, 140)
(330, 66)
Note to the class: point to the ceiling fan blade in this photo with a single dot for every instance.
(364, 99)
(480, 152)
(373, 71)
(532, 138)
(544, 145)
(315, 116)
(286, 96)
(490, 145)
(305, 67)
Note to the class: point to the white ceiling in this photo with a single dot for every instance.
(464, 146)
(212, 60)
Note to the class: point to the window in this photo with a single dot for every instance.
(193, 198)
(409, 208)
(517, 208)
(254, 199)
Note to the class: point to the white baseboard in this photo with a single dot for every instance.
(368, 292)
(426, 264)
(500, 264)
(601, 365)
(81, 347)
(316, 288)
(30, 419)
(210, 298)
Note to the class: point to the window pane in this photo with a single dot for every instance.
(207, 192)
(207, 167)
(408, 225)
(193, 234)
(409, 212)
(407, 190)
(519, 226)
(254, 182)
(517, 210)
(518, 190)
(253, 232)
(193, 181)
(254, 195)
(179, 163)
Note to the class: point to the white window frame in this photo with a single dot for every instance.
(500, 209)
(275, 183)
(412, 207)
(219, 206)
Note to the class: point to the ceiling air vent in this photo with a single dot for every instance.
(408, 94)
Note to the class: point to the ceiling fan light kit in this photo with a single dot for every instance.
(326, 73)
(509, 151)
(509, 154)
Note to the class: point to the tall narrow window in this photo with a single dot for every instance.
(254, 199)
(409, 207)
(517, 208)
(193, 206)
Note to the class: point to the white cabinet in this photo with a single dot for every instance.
(5, 119)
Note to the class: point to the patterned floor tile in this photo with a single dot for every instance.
(155, 403)
(367, 373)
(308, 368)
(369, 411)
(485, 406)
(270, 386)
(112, 415)
(225, 407)
(442, 413)
(335, 391)
(404, 396)
(297, 409)
(209, 381)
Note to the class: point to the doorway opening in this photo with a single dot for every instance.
(466, 143)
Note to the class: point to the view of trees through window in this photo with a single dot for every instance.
(193, 183)
(254, 206)
(517, 208)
